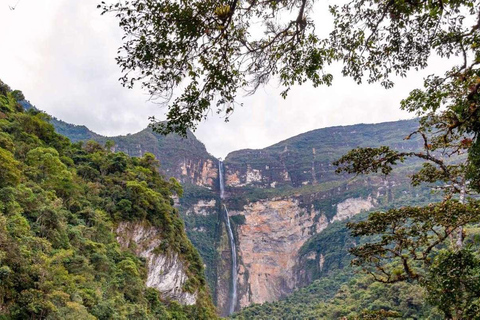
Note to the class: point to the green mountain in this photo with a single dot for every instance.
(87, 233)
(185, 159)
(180, 157)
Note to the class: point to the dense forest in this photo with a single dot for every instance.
(60, 203)
(345, 294)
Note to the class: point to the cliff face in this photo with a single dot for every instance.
(271, 234)
(166, 271)
(307, 158)
(268, 241)
(282, 196)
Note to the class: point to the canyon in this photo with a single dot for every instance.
(279, 198)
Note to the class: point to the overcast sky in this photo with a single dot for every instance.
(61, 54)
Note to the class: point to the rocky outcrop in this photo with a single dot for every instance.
(307, 158)
(270, 238)
(237, 177)
(268, 242)
(203, 208)
(200, 172)
(352, 206)
(267, 174)
(166, 272)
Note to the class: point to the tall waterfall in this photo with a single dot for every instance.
(233, 287)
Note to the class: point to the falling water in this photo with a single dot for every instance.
(233, 287)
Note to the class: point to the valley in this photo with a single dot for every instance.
(280, 200)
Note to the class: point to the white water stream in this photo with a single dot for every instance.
(233, 286)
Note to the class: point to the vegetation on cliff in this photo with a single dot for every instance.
(59, 206)
(173, 152)
(334, 289)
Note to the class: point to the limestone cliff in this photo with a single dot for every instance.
(200, 172)
(268, 241)
(270, 237)
(166, 271)
(352, 206)
(202, 208)
(307, 158)
(283, 195)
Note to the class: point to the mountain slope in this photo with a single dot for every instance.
(87, 233)
(283, 197)
(307, 159)
(186, 159)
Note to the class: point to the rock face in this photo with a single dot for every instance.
(307, 158)
(203, 208)
(270, 238)
(289, 192)
(352, 206)
(201, 172)
(268, 242)
(166, 272)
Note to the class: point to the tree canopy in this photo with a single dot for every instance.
(60, 204)
(211, 50)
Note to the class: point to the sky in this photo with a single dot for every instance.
(61, 54)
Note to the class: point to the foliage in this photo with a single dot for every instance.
(9, 171)
(59, 206)
(346, 295)
(209, 44)
(453, 284)
(213, 48)
(410, 237)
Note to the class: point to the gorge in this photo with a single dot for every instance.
(260, 219)
(254, 217)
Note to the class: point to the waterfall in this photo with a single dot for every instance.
(233, 250)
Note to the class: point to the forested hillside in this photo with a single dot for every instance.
(60, 205)
(185, 159)
(344, 295)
